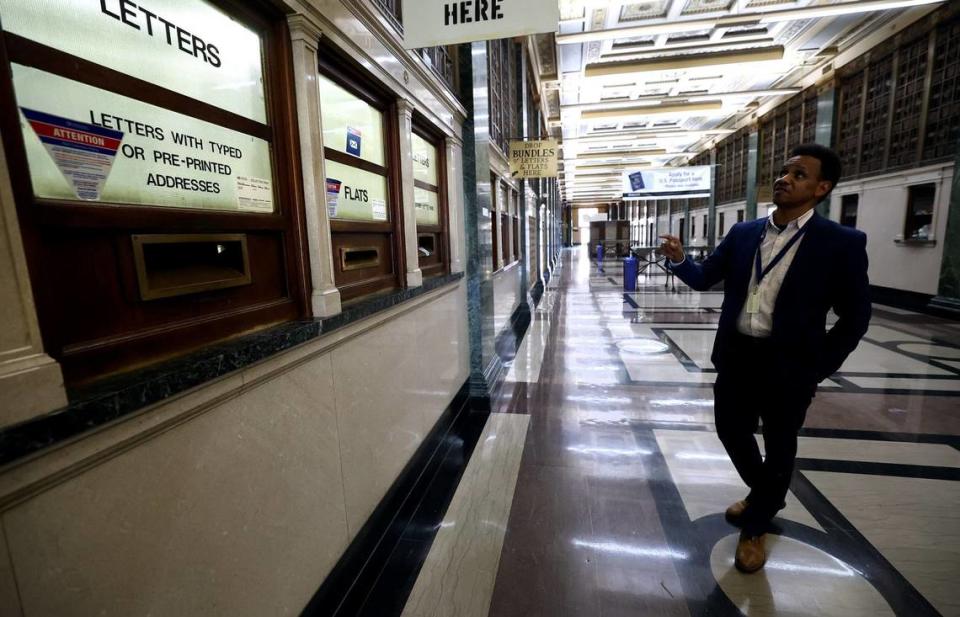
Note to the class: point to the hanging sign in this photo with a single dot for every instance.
(680, 182)
(533, 159)
(445, 22)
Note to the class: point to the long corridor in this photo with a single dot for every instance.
(618, 495)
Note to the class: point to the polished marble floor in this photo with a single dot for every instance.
(617, 483)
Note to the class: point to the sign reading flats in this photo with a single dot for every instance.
(680, 182)
(429, 23)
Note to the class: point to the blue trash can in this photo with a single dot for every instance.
(600, 256)
(631, 267)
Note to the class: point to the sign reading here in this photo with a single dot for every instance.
(445, 22)
(533, 159)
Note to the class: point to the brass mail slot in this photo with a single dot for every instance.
(356, 258)
(180, 264)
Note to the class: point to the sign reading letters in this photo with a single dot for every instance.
(533, 159)
(681, 182)
(188, 46)
(445, 22)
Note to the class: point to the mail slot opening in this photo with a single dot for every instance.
(426, 244)
(357, 258)
(179, 264)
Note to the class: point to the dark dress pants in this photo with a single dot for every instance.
(749, 389)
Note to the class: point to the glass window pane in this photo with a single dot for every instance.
(424, 160)
(350, 125)
(354, 194)
(427, 206)
(83, 143)
(188, 46)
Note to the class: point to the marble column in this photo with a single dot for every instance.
(325, 297)
(455, 205)
(753, 169)
(712, 203)
(414, 276)
(31, 383)
(477, 209)
(825, 107)
(948, 292)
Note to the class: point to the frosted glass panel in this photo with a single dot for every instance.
(188, 46)
(354, 194)
(426, 205)
(84, 143)
(424, 160)
(350, 125)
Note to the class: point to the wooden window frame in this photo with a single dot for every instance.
(357, 284)
(430, 266)
(141, 332)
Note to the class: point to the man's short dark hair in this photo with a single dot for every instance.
(830, 165)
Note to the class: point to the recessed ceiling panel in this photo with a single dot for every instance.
(643, 10)
(694, 7)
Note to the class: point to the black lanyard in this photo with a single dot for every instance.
(762, 272)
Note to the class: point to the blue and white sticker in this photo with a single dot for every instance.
(84, 153)
(353, 141)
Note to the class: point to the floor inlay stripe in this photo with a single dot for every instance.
(458, 575)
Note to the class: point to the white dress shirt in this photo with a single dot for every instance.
(760, 323)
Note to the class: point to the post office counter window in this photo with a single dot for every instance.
(154, 177)
(429, 196)
(918, 223)
(360, 154)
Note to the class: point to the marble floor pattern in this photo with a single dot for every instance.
(616, 483)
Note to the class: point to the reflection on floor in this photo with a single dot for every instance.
(620, 481)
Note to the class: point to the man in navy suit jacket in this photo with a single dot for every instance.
(781, 274)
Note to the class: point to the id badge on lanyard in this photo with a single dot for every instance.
(753, 301)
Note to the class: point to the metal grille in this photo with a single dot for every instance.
(392, 9)
(848, 131)
(794, 123)
(438, 58)
(809, 116)
(495, 50)
(744, 159)
(943, 115)
(779, 139)
(908, 103)
(765, 175)
(876, 114)
(503, 92)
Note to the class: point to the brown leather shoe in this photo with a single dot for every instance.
(751, 553)
(734, 513)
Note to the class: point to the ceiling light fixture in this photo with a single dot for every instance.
(631, 113)
(709, 96)
(689, 25)
(686, 61)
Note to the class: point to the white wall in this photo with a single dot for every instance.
(881, 214)
(729, 217)
(237, 498)
(700, 239)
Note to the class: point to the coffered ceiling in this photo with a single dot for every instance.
(652, 83)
